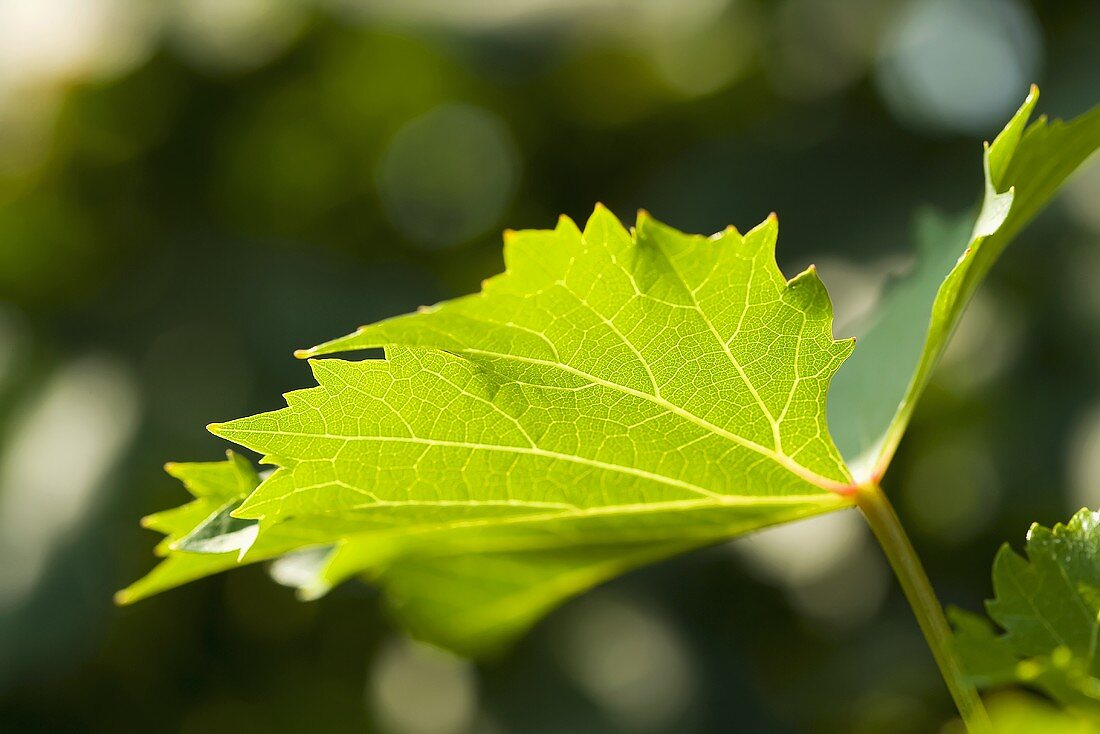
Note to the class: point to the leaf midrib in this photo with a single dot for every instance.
(776, 435)
(502, 448)
(824, 500)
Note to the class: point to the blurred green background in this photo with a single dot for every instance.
(191, 189)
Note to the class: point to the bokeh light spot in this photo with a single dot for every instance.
(826, 565)
(985, 344)
(1082, 196)
(1084, 462)
(952, 489)
(958, 65)
(449, 175)
(235, 34)
(821, 46)
(87, 413)
(416, 689)
(630, 661)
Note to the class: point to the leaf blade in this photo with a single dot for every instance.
(874, 395)
(614, 398)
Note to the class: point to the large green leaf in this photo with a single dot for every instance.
(613, 398)
(873, 396)
(1048, 605)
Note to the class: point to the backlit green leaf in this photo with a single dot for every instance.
(615, 397)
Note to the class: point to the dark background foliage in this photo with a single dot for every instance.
(190, 190)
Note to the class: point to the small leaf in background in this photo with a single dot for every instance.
(1047, 605)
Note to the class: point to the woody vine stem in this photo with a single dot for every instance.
(903, 558)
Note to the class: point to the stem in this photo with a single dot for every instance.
(918, 590)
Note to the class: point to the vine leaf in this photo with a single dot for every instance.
(1048, 606)
(615, 397)
(873, 396)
